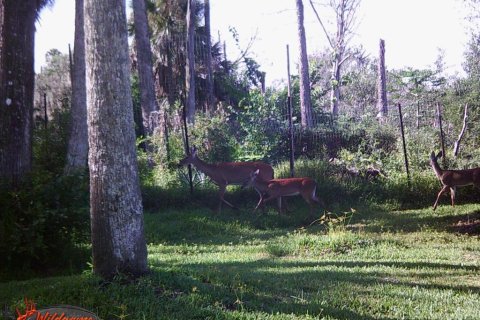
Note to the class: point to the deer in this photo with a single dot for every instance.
(228, 173)
(451, 179)
(278, 188)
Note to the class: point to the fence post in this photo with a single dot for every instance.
(187, 148)
(404, 144)
(290, 122)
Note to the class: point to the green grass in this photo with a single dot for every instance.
(376, 264)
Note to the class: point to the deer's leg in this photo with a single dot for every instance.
(221, 194)
(452, 195)
(444, 189)
(279, 203)
(260, 201)
(268, 199)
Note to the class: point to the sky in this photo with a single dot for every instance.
(414, 31)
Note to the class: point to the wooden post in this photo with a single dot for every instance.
(442, 139)
(290, 122)
(187, 148)
(404, 144)
(456, 147)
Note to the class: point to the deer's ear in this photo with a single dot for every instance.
(256, 172)
(193, 150)
(440, 154)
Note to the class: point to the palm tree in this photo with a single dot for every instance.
(190, 63)
(209, 94)
(118, 241)
(17, 43)
(77, 153)
(148, 101)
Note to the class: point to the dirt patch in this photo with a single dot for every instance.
(469, 224)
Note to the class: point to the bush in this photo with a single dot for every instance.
(42, 223)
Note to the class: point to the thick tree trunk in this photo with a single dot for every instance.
(144, 64)
(305, 98)
(190, 63)
(77, 153)
(382, 105)
(118, 242)
(17, 30)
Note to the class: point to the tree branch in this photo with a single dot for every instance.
(321, 23)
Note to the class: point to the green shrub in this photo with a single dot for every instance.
(42, 223)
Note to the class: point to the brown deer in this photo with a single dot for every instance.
(278, 188)
(228, 173)
(451, 179)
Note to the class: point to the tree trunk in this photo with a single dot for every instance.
(190, 63)
(382, 104)
(335, 82)
(305, 98)
(456, 147)
(17, 30)
(144, 64)
(118, 242)
(210, 96)
(77, 153)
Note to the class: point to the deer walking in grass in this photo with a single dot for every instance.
(451, 179)
(278, 188)
(228, 173)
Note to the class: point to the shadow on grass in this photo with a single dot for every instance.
(463, 219)
(314, 288)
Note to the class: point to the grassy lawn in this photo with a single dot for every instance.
(374, 264)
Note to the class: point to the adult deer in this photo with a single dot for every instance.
(451, 179)
(228, 173)
(278, 188)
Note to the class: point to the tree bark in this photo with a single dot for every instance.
(382, 104)
(210, 96)
(190, 63)
(118, 242)
(305, 98)
(77, 154)
(144, 64)
(17, 30)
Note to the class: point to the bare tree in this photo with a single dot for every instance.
(77, 153)
(345, 23)
(118, 242)
(305, 98)
(190, 63)
(382, 104)
(144, 64)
